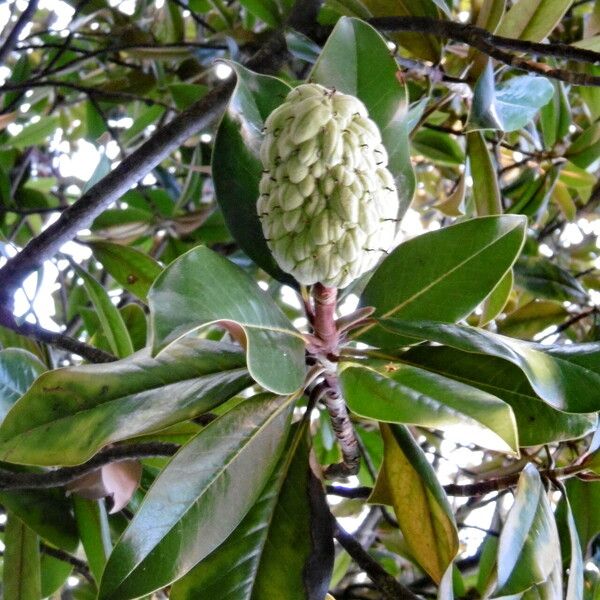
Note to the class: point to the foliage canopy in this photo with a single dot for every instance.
(181, 419)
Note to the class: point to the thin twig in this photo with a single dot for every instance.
(478, 488)
(389, 587)
(12, 38)
(79, 565)
(492, 45)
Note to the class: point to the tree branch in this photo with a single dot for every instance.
(493, 46)
(13, 36)
(389, 587)
(478, 488)
(11, 480)
(133, 168)
(30, 330)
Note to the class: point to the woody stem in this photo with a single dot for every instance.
(329, 390)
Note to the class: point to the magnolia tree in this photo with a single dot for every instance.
(299, 301)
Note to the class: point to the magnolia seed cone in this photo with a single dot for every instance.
(328, 205)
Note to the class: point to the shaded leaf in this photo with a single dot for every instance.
(584, 498)
(441, 148)
(92, 523)
(53, 574)
(236, 165)
(202, 287)
(496, 301)
(21, 565)
(133, 269)
(69, 414)
(444, 274)
(34, 134)
(407, 482)
(532, 20)
(486, 192)
(218, 476)
(545, 279)
(111, 320)
(409, 395)
(47, 512)
(532, 318)
(18, 369)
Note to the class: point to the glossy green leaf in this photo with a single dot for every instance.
(486, 192)
(537, 422)
(532, 20)
(496, 301)
(202, 287)
(584, 499)
(443, 274)
(266, 10)
(236, 166)
(247, 566)
(18, 369)
(110, 318)
(69, 414)
(132, 269)
(410, 395)
(575, 581)
(545, 279)
(408, 482)
(21, 565)
(54, 573)
(34, 133)
(438, 147)
(510, 106)
(92, 523)
(217, 476)
(567, 377)
(185, 94)
(47, 512)
(585, 148)
(529, 548)
(355, 60)
(555, 117)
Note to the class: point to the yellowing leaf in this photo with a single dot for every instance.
(407, 482)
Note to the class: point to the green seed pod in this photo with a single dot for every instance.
(328, 204)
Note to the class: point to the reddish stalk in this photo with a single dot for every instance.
(326, 332)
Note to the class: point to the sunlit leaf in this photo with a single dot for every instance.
(442, 274)
(408, 482)
(405, 394)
